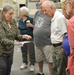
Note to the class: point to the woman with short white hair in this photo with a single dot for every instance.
(24, 11)
(25, 25)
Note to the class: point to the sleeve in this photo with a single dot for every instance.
(62, 25)
(70, 28)
(35, 17)
(18, 24)
(32, 20)
(18, 36)
(3, 39)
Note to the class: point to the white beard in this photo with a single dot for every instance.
(68, 10)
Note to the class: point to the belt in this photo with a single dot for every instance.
(59, 44)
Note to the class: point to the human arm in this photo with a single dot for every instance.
(29, 23)
(70, 29)
(63, 30)
(18, 36)
(3, 39)
(22, 37)
(62, 26)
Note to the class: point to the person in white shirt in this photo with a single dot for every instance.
(58, 29)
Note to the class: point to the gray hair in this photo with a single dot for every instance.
(7, 8)
(70, 0)
(4, 10)
(25, 11)
(49, 3)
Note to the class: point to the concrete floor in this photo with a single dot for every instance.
(17, 61)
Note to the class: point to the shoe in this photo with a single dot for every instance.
(32, 68)
(39, 74)
(23, 66)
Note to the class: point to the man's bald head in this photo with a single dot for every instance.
(48, 4)
(48, 8)
(41, 2)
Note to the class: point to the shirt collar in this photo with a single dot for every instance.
(54, 16)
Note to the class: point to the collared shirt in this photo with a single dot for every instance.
(70, 28)
(58, 27)
(23, 28)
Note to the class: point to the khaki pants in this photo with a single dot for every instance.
(59, 62)
(44, 53)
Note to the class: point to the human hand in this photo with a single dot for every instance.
(29, 24)
(62, 50)
(27, 37)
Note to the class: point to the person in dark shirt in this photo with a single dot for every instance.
(25, 25)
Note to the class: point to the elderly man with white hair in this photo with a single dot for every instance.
(69, 7)
(25, 26)
(58, 29)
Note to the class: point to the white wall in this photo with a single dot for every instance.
(21, 1)
(62, 0)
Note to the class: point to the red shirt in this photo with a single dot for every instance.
(70, 28)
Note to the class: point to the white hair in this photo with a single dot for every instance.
(48, 3)
(25, 11)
